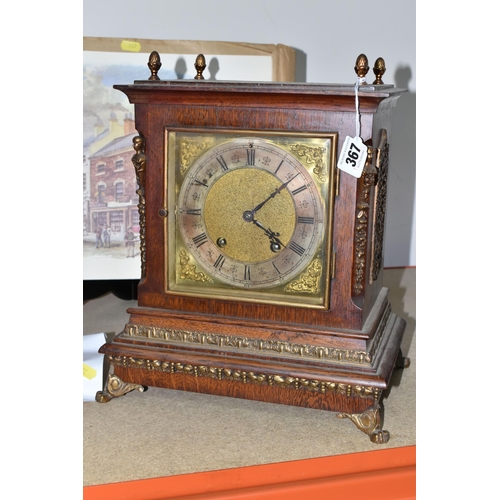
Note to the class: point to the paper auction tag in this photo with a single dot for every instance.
(353, 156)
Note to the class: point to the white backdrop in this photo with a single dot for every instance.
(328, 35)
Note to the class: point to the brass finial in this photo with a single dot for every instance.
(154, 65)
(361, 67)
(200, 65)
(379, 70)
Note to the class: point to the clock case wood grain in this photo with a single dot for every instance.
(339, 359)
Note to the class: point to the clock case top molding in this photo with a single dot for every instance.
(338, 358)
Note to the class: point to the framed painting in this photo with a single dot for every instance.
(110, 201)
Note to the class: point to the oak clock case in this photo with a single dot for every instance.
(261, 262)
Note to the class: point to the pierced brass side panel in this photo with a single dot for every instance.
(379, 208)
(365, 184)
(370, 216)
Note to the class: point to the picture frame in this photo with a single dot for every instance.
(110, 201)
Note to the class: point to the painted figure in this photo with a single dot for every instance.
(130, 242)
(98, 237)
(107, 236)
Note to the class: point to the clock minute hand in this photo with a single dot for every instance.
(273, 194)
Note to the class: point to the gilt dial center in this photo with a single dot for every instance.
(232, 209)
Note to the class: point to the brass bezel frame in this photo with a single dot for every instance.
(223, 291)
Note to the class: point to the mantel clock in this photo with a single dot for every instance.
(261, 261)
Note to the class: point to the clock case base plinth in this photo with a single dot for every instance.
(339, 371)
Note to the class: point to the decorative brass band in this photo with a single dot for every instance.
(139, 161)
(277, 346)
(220, 373)
(379, 208)
(251, 344)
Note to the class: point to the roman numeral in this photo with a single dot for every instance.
(279, 166)
(297, 248)
(196, 181)
(250, 156)
(219, 262)
(200, 240)
(299, 190)
(247, 273)
(277, 270)
(305, 220)
(222, 162)
(195, 211)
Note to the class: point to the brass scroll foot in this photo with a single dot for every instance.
(115, 388)
(370, 423)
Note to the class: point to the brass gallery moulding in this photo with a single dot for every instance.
(218, 373)
(275, 346)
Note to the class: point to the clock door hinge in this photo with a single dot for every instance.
(332, 264)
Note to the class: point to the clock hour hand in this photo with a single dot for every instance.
(276, 244)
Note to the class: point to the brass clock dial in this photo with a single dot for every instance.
(251, 215)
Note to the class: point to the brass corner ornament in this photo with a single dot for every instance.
(190, 150)
(309, 281)
(369, 422)
(312, 155)
(115, 388)
(189, 272)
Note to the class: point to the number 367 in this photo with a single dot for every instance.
(352, 155)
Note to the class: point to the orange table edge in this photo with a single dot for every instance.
(388, 474)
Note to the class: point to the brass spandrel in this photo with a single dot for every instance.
(313, 156)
